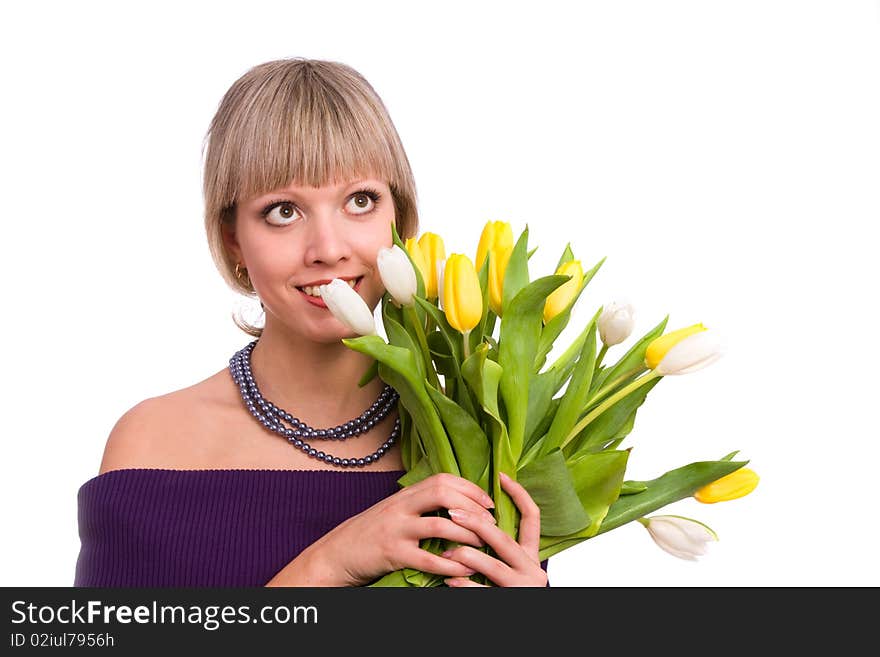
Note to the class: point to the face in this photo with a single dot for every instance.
(297, 238)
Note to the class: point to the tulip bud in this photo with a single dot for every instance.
(681, 537)
(729, 487)
(397, 274)
(560, 298)
(348, 307)
(462, 296)
(616, 323)
(495, 235)
(418, 258)
(433, 251)
(658, 347)
(497, 239)
(686, 351)
(497, 268)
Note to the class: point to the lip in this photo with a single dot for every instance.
(324, 281)
(318, 301)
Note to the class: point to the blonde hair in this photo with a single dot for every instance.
(306, 121)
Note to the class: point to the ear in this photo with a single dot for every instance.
(230, 241)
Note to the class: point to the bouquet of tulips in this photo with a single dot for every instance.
(466, 349)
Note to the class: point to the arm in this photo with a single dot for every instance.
(134, 440)
(386, 537)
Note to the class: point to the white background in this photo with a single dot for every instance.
(723, 156)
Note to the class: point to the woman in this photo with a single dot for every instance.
(303, 176)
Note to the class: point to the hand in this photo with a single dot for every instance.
(519, 563)
(386, 537)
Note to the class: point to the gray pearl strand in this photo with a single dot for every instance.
(270, 416)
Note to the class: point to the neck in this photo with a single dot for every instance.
(315, 382)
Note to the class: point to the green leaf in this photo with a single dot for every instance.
(371, 373)
(598, 479)
(453, 340)
(567, 256)
(541, 390)
(614, 422)
(575, 396)
(483, 376)
(449, 334)
(516, 276)
(444, 362)
(394, 579)
(631, 488)
(476, 336)
(550, 485)
(399, 337)
(397, 367)
(668, 488)
(518, 340)
(414, 475)
(468, 440)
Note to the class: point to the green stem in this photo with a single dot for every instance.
(608, 387)
(466, 345)
(423, 345)
(601, 355)
(613, 399)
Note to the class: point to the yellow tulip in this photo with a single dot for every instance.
(433, 251)
(658, 347)
(497, 239)
(736, 484)
(462, 296)
(495, 235)
(560, 298)
(418, 258)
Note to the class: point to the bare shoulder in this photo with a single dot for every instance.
(150, 433)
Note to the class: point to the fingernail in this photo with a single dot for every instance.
(458, 514)
(504, 475)
(487, 502)
(446, 554)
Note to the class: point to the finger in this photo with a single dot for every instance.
(428, 562)
(496, 570)
(506, 547)
(433, 498)
(437, 527)
(462, 582)
(530, 516)
(445, 481)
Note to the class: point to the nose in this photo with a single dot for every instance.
(326, 239)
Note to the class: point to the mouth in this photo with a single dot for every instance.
(312, 293)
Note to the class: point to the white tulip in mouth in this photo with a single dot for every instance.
(315, 290)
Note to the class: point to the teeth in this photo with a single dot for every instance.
(315, 290)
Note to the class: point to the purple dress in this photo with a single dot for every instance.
(144, 527)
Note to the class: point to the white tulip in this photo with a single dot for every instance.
(681, 537)
(441, 267)
(691, 354)
(616, 323)
(348, 307)
(397, 274)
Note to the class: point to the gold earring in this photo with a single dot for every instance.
(238, 270)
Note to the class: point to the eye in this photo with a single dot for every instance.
(364, 200)
(279, 213)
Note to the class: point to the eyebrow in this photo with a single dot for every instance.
(287, 192)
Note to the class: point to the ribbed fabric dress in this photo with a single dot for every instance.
(212, 528)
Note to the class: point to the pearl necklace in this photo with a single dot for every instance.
(271, 416)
